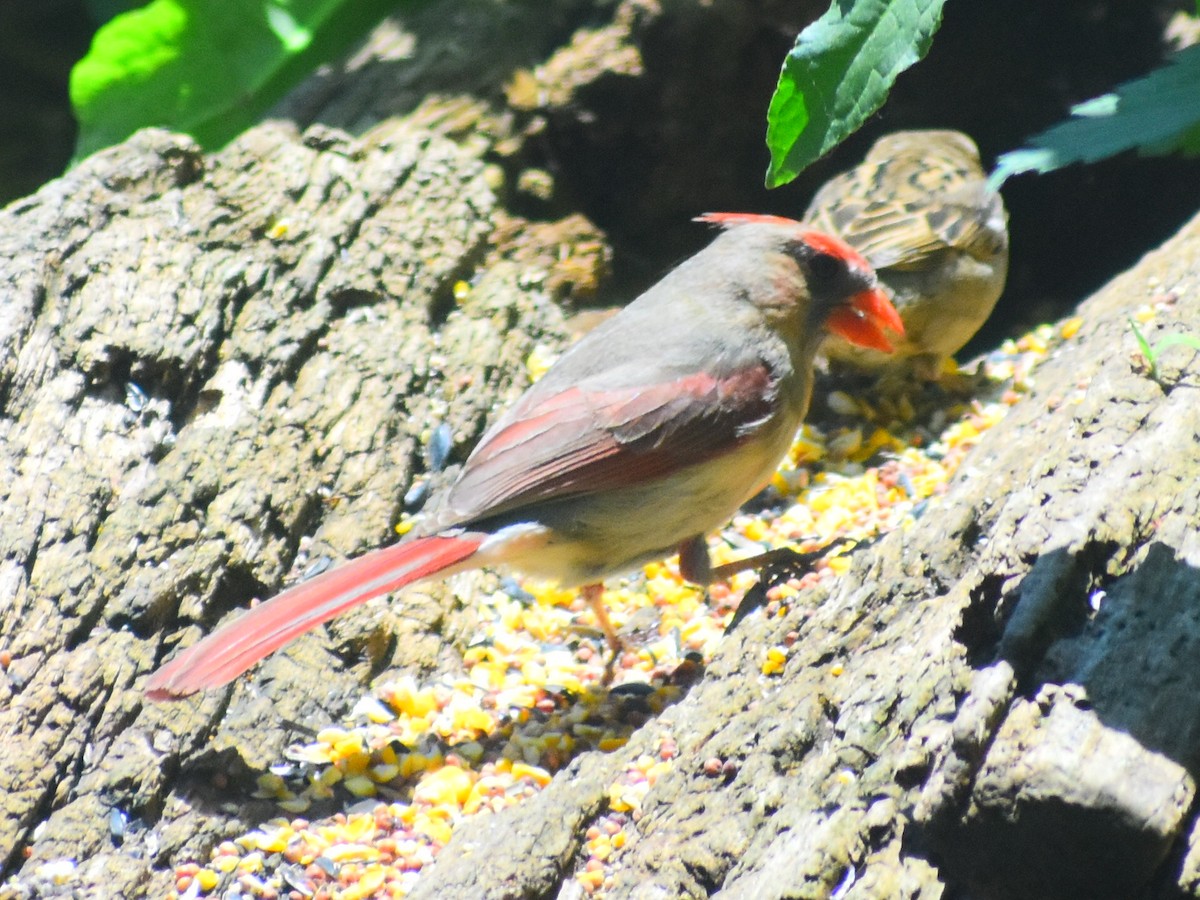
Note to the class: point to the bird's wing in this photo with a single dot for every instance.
(582, 439)
(932, 197)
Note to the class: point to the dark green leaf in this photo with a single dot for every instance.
(1156, 114)
(207, 67)
(839, 73)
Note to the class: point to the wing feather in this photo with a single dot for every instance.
(935, 199)
(578, 441)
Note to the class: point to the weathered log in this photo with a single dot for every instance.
(218, 357)
(214, 369)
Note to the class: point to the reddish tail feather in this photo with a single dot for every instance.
(229, 651)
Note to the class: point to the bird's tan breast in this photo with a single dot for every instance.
(589, 538)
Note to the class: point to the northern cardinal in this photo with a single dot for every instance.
(646, 434)
(919, 209)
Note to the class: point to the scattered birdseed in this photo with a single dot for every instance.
(775, 661)
(530, 695)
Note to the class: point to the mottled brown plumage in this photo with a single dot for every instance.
(919, 209)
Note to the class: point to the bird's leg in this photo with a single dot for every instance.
(694, 563)
(772, 564)
(785, 558)
(594, 595)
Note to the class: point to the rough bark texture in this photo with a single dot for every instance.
(217, 358)
(215, 369)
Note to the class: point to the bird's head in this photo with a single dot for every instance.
(846, 299)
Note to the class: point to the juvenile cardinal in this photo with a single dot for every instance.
(919, 209)
(645, 435)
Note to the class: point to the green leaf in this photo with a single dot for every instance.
(207, 67)
(838, 73)
(1152, 353)
(1177, 340)
(1156, 114)
(1143, 344)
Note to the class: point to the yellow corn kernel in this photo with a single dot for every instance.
(1071, 327)
(449, 784)
(775, 661)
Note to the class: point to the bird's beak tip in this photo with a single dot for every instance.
(876, 306)
(866, 319)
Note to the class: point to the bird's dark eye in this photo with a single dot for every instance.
(824, 268)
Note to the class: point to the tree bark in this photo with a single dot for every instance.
(216, 358)
(218, 369)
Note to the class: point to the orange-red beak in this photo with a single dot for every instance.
(865, 319)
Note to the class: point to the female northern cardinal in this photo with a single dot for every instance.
(645, 435)
(919, 209)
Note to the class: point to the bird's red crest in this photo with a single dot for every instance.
(818, 240)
